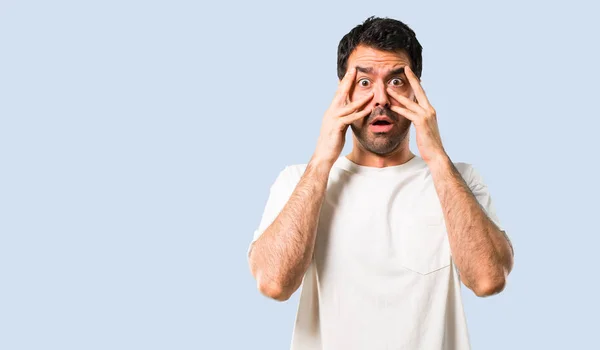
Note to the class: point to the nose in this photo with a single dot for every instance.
(380, 96)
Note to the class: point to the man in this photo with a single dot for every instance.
(380, 239)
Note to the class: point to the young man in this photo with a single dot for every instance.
(380, 239)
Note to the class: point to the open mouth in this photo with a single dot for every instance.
(381, 126)
(381, 122)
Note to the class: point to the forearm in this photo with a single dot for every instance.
(282, 254)
(480, 250)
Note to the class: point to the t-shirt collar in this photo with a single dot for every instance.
(413, 164)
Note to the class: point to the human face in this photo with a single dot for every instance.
(376, 71)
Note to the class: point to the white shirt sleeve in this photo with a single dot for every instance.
(482, 194)
(279, 193)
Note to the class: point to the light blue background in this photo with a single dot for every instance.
(138, 141)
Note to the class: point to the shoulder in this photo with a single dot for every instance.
(296, 171)
(290, 176)
(467, 171)
(471, 176)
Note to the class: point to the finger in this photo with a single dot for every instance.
(416, 86)
(345, 84)
(408, 114)
(356, 104)
(349, 119)
(405, 101)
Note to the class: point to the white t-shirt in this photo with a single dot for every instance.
(382, 275)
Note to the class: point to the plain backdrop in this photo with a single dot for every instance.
(138, 141)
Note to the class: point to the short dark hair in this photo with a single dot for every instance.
(384, 34)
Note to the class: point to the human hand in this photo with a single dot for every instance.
(336, 120)
(423, 117)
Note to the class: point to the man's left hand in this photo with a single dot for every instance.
(423, 116)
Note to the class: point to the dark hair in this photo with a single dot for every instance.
(384, 34)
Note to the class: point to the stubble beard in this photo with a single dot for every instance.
(384, 143)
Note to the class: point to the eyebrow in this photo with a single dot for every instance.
(369, 70)
(397, 71)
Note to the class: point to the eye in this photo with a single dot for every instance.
(396, 82)
(364, 83)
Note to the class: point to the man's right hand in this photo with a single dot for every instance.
(336, 120)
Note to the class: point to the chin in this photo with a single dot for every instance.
(381, 147)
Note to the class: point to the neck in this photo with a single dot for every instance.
(363, 157)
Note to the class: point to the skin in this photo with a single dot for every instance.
(482, 253)
(377, 72)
